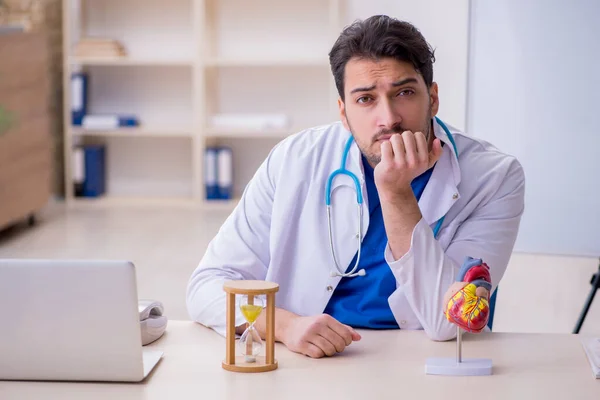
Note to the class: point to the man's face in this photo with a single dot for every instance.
(385, 97)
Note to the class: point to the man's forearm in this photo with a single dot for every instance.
(282, 321)
(401, 214)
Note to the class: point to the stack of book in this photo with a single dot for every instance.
(99, 47)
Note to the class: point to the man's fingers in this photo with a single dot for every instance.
(334, 338)
(422, 148)
(355, 335)
(325, 345)
(398, 148)
(436, 152)
(344, 331)
(410, 147)
(387, 155)
(313, 351)
(452, 290)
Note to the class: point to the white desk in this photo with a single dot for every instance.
(385, 364)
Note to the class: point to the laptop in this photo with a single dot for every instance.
(71, 320)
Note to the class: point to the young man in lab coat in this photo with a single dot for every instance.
(412, 175)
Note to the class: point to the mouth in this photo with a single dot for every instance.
(383, 138)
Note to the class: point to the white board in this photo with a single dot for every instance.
(534, 91)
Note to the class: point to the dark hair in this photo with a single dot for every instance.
(380, 37)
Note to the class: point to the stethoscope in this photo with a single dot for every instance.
(359, 199)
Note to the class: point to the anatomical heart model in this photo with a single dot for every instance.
(468, 300)
(467, 305)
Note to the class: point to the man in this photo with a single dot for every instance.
(431, 198)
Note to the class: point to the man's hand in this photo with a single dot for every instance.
(403, 158)
(318, 336)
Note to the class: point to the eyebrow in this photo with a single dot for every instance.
(395, 84)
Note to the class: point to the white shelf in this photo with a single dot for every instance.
(158, 97)
(118, 201)
(129, 61)
(146, 28)
(260, 29)
(268, 62)
(134, 132)
(213, 132)
(221, 205)
(186, 61)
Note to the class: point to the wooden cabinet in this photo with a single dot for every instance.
(25, 140)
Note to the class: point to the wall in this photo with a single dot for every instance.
(534, 92)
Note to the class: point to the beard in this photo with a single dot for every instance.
(367, 148)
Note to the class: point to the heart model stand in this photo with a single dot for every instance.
(458, 365)
(479, 277)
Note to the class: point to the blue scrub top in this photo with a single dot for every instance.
(362, 301)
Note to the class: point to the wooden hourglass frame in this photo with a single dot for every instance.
(251, 289)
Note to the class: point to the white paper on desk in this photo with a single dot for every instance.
(592, 349)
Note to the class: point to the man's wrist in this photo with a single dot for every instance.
(283, 319)
(398, 197)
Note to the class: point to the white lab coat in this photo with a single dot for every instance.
(278, 231)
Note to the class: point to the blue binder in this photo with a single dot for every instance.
(210, 173)
(94, 184)
(225, 173)
(79, 99)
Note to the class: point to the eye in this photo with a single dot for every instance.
(406, 92)
(363, 100)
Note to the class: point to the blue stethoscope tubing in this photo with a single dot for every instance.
(359, 200)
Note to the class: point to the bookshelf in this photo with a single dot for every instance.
(188, 62)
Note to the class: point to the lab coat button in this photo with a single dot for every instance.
(455, 196)
(329, 288)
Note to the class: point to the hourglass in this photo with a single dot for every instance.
(250, 345)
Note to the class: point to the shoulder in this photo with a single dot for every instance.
(319, 142)
(316, 138)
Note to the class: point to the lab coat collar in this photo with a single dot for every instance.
(441, 191)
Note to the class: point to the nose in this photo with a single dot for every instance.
(386, 116)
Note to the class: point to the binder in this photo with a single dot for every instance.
(78, 170)
(79, 92)
(94, 161)
(225, 173)
(109, 121)
(210, 173)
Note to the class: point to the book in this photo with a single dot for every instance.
(79, 97)
(210, 173)
(218, 173)
(109, 121)
(225, 173)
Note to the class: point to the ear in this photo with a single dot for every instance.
(434, 99)
(343, 116)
